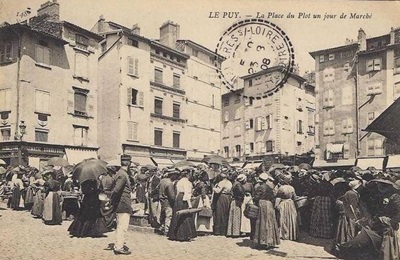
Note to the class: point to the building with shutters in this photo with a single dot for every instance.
(158, 99)
(257, 127)
(355, 83)
(48, 89)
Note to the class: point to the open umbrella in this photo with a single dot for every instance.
(2, 170)
(2, 162)
(215, 158)
(183, 164)
(276, 166)
(89, 170)
(305, 166)
(57, 161)
(149, 167)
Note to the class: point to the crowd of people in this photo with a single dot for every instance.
(358, 209)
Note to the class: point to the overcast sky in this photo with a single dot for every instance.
(193, 16)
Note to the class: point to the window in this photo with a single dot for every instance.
(42, 101)
(158, 106)
(132, 131)
(80, 102)
(269, 146)
(347, 126)
(329, 74)
(158, 133)
(81, 135)
(299, 105)
(250, 83)
(135, 97)
(238, 149)
(328, 97)
(176, 110)
(81, 65)
(237, 131)
(5, 99)
(237, 99)
(41, 135)
(226, 116)
(251, 147)
(269, 122)
(374, 88)
(42, 55)
(299, 126)
(6, 52)
(226, 151)
(81, 41)
(331, 56)
(5, 133)
(158, 75)
(321, 58)
(133, 66)
(176, 81)
(133, 43)
(375, 147)
(42, 119)
(250, 124)
(374, 65)
(371, 117)
(347, 95)
(226, 102)
(329, 128)
(176, 139)
(346, 151)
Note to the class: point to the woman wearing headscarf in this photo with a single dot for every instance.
(235, 211)
(52, 203)
(89, 222)
(266, 227)
(182, 227)
(221, 203)
(200, 200)
(288, 224)
(39, 195)
(30, 190)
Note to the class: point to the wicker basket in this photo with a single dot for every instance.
(301, 202)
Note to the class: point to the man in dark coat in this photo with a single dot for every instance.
(121, 201)
(153, 189)
(167, 198)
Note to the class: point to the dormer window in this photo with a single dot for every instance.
(81, 41)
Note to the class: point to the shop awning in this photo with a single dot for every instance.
(376, 162)
(252, 165)
(142, 160)
(338, 163)
(163, 162)
(388, 123)
(236, 164)
(393, 161)
(76, 155)
(334, 148)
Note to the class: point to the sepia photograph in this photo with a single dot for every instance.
(199, 129)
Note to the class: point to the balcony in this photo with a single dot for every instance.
(170, 118)
(161, 85)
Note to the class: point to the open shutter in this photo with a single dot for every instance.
(377, 64)
(344, 126)
(263, 150)
(90, 105)
(226, 119)
(247, 149)
(131, 66)
(247, 124)
(346, 151)
(140, 99)
(130, 131)
(246, 101)
(263, 121)
(70, 101)
(129, 96)
(136, 67)
(370, 65)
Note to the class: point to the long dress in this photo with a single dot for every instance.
(106, 208)
(235, 211)
(287, 213)
(200, 199)
(321, 224)
(245, 224)
(266, 227)
(52, 203)
(16, 193)
(89, 222)
(182, 227)
(221, 204)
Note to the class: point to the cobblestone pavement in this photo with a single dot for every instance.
(23, 237)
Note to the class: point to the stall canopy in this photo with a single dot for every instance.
(388, 123)
(75, 155)
(142, 160)
(334, 148)
(163, 162)
(252, 165)
(376, 162)
(393, 161)
(338, 163)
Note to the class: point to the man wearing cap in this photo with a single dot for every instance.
(167, 198)
(153, 186)
(121, 201)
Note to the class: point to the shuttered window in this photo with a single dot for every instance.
(5, 99)
(5, 134)
(41, 136)
(176, 81)
(132, 131)
(176, 110)
(176, 139)
(158, 106)
(133, 66)
(81, 65)
(80, 102)
(6, 52)
(42, 55)
(81, 41)
(42, 101)
(158, 75)
(269, 146)
(158, 133)
(81, 135)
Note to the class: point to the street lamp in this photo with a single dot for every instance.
(22, 128)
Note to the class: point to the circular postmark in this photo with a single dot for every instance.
(251, 48)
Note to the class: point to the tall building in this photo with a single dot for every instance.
(159, 99)
(279, 127)
(355, 82)
(48, 89)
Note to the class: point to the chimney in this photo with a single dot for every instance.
(101, 24)
(50, 8)
(135, 29)
(169, 33)
(362, 40)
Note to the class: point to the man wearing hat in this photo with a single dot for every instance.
(121, 201)
(167, 198)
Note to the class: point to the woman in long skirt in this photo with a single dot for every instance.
(200, 200)
(89, 222)
(245, 225)
(16, 192)
(52, 203)
(221, 204)
(38, 198)
(287, 210)
(235, 212)
(266, 227)
(182, 227)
